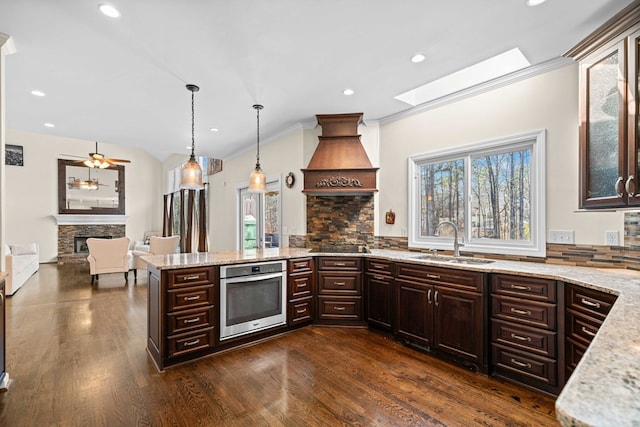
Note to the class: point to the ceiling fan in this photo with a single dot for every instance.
(89, 184)
(98, 160)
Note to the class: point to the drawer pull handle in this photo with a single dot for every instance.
(301, 285)
(588, 332)
(523, 312)
(339, 283)
(192, 277)
(197, 319)
(338, 308)
(521, 288)
(377, 266)
(378, 277)
(192, 343)
(435, 297)
(433, 276)
(301, 311)
(339, 264)
(300, 264)
(590, 304)
(429, 296)
(521, 338)
(196, 298)
(521, 364)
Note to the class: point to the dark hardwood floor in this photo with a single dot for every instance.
(76, 356)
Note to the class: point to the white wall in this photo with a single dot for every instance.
(548, 101)
(32, 190)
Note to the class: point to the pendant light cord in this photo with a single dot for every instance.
(258, 107)
(193, 125)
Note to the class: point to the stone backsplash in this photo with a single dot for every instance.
(339, 220)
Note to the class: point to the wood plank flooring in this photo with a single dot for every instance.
(76, 356)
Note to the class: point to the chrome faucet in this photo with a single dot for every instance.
(456, 244)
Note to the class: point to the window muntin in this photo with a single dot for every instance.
(493, 191)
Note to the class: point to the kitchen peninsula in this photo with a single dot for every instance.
(602, 390)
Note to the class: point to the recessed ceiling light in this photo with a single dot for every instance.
(49, 125)
(109, 10)
(214, 129)
(535, 2)
(37, 93)
(348, 92)
(417, 58)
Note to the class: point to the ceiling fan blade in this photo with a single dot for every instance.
(71, 155)
(117, 160)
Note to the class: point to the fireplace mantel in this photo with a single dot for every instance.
(90, 219)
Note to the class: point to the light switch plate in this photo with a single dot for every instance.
(566, 237)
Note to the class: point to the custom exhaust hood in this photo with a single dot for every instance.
(340, 165)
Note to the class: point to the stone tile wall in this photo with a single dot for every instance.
(66, 234)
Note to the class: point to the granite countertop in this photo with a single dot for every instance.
(604, 390)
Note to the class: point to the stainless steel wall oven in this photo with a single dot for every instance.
(252, 298)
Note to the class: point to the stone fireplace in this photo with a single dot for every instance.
(73, 230)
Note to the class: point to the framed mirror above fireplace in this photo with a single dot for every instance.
(86, 191)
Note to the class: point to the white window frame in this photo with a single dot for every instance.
(536, 247)
(274, 183)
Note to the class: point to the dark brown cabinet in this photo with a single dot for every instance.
(339, 281)
(609, 137)
(378, 292)
(182, 314)
(300, 291)
(443, 310)
(586, 310)
(524, 331)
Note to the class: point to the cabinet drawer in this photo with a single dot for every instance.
(451, 277)
(340, 308)
(531, 313)
(190, 277)
(300, 265)
(300, 285)
(588, 301)
(575, 351)
(301, 311)
(183, 299)
(540, 369)
(340, 263)
(514, 335)
(379, 267)
(527, 287)
(193, 341)
(184, 321)
(580, 327)
(340, 283)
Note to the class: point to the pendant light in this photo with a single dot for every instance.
(191, 171)
(257, 179)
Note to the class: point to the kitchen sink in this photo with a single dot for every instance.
(453, 260)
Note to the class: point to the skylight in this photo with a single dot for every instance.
(484, 71)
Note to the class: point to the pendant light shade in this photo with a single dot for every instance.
(257, 179)
(191, 177)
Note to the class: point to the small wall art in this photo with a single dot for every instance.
(13, 155)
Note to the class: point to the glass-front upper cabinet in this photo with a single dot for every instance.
(609, 144)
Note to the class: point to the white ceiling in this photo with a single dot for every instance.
(122, 81)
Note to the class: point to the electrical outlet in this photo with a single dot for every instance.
(612, 238)
(566, 237)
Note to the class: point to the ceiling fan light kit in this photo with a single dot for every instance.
(257, 178)
(191, 176)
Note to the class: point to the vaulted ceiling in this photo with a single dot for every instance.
(122, 80)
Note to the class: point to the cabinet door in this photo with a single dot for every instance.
(602, 128)
(458, 323)
(633, 135)
(414, 312)
(379, 297)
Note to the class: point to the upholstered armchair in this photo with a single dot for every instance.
(109, 256)
(157, 246)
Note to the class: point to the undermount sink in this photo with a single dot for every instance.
(453, 260)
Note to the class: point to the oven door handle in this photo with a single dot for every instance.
(254, 278)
